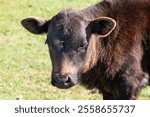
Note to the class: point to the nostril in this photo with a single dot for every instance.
(65, 79)
(68, 79)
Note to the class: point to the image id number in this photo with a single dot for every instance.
(106, 108)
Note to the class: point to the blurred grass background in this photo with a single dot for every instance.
(25, 66)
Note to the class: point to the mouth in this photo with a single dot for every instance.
(63, 86)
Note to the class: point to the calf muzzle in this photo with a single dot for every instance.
(62, 81)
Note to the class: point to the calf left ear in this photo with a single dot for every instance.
(35, 25)
(102, 26)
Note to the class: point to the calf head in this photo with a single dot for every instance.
(67, 39)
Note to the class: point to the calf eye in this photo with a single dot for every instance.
(82, 47)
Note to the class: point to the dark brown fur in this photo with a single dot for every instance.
(118, 64)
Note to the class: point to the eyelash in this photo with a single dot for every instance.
(83, 46)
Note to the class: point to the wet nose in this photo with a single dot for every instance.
(62, 81)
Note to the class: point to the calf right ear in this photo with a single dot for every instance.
(35, 25)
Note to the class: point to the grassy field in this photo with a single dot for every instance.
(25, 66)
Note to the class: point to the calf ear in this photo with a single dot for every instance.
(35, 25)
(102, 26)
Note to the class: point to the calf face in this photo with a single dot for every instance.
(67, 38)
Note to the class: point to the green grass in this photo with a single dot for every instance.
(25, 66)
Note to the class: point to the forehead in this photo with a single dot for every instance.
(67, 26)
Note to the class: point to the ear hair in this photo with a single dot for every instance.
(35, 25)
(107, 19)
